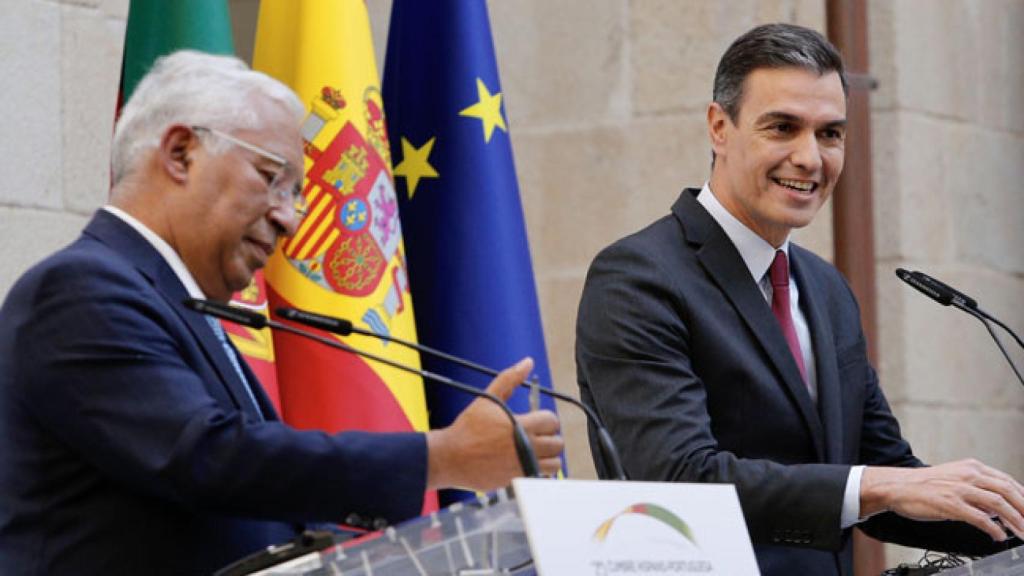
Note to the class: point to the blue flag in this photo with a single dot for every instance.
(469, 262)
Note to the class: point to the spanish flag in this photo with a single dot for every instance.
(347, 258)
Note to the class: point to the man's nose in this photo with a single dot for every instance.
(285, 220)
(806, 153)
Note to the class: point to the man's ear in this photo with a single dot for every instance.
(175, 151)
(718, 128)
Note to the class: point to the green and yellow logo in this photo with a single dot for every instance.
(659, 513)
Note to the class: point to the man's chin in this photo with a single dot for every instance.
(800, 218)
(241, 282)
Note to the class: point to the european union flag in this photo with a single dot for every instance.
(465, 238)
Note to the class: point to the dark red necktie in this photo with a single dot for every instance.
(779, 275)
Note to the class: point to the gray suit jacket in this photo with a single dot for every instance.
(680, 355)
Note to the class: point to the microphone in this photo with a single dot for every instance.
(934, 290)
(949, 296)
(524, 451)
(345, 327)
(955, 294)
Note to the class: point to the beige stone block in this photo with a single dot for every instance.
(989, 215)
(30, 142)
(576, 189)
(809, 13)
(886, 189)
(665, 154)
(936, 56)
(91, 53)
(1001, 76)
(914, 203)
(946, 434)
(882, 38)
(559, 296)
(675, 45)
(117, 9)
(29, 236)
(81, 3)
(562, 62)
(937, 192)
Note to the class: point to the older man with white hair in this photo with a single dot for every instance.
(135, 440)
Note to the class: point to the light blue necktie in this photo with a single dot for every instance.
(218, 331)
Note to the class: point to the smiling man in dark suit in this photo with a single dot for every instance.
(135, 440)
(717, 351)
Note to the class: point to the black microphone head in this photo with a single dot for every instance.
(942, 286)
(227, 312)
(327, 323)
(941, 296)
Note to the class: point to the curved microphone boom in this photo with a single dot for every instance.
(524, 451)
(949, 296)
(345, 327)
(966, 301)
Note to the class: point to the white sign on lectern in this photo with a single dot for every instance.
(607, 528)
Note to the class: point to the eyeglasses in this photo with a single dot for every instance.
(281, 194)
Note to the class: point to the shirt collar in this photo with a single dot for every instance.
(164, 249)
(756, 252)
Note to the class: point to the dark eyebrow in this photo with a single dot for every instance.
(777, 117)
(792, 118)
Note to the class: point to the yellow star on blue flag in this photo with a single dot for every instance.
(487, 109)
(415, 164)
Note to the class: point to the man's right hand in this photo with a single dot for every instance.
(477, 452)
(966, 490)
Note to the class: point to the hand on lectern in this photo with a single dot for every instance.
(476, 451)
(966, 490)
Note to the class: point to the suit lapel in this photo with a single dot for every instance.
(122, 238)
(725, 266)
(174, 293)
(829, 404)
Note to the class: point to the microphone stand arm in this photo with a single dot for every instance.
(524, 451)
(984, 319)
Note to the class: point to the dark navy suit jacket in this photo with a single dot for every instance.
(128, 443)
(680, 355)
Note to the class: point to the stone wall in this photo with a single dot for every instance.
(60, 66)
(606, 102)
(948, 131)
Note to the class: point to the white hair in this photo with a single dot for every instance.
(192, 88)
